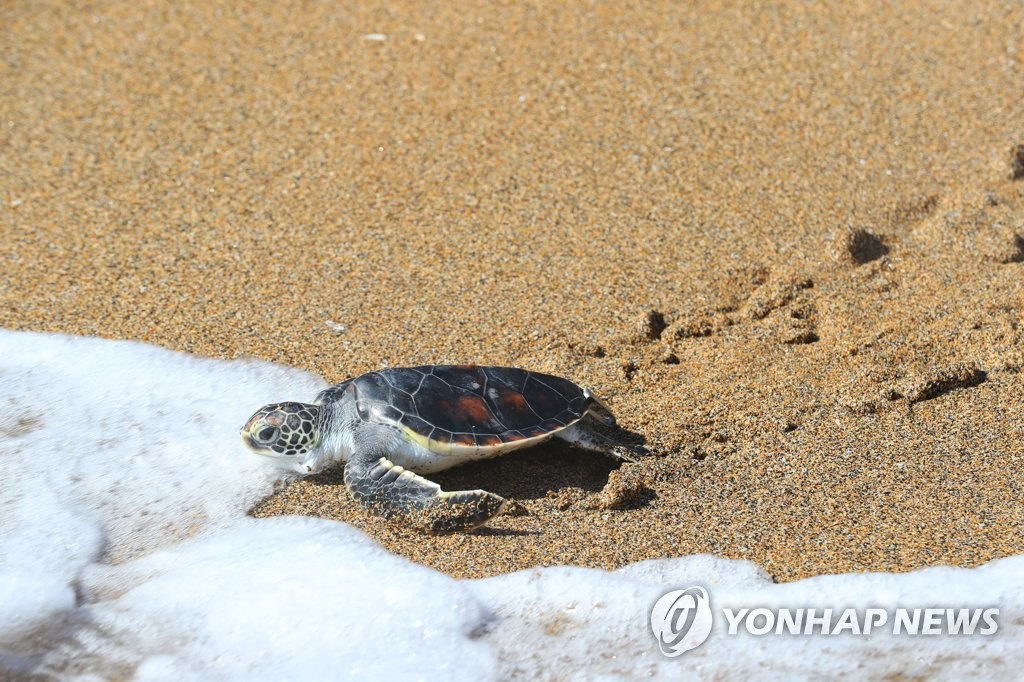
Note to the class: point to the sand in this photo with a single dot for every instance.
(784, 243)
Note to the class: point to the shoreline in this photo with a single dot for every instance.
(786, 258)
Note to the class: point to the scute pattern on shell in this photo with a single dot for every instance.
(466, 405)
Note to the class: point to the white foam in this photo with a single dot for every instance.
(285, 597)
(562, 621)
(125, 552)
(114, 448)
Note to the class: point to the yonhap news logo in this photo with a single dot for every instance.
(682, 620)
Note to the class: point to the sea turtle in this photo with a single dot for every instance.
(391, 425)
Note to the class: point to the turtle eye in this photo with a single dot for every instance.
(267, 434)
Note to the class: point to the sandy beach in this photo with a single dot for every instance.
(784, 244)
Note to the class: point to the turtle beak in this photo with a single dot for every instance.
(253, 445)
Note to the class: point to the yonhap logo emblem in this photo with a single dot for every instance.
(681, 620)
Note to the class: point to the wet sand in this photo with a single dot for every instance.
(785, 244)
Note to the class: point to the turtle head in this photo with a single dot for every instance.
(285, 431)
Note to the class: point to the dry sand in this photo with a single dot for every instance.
(816, 202)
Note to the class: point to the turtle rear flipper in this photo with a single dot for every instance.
(598, 409)
(583, 436)
(390, 490)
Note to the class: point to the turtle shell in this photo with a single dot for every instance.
(452, 407)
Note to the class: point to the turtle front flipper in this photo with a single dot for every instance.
(390, 490)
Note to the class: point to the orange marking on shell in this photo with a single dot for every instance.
(488, 441)
(474, 407)
(464, 439)
(514, 400)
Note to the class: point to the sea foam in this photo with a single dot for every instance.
(125, 552)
